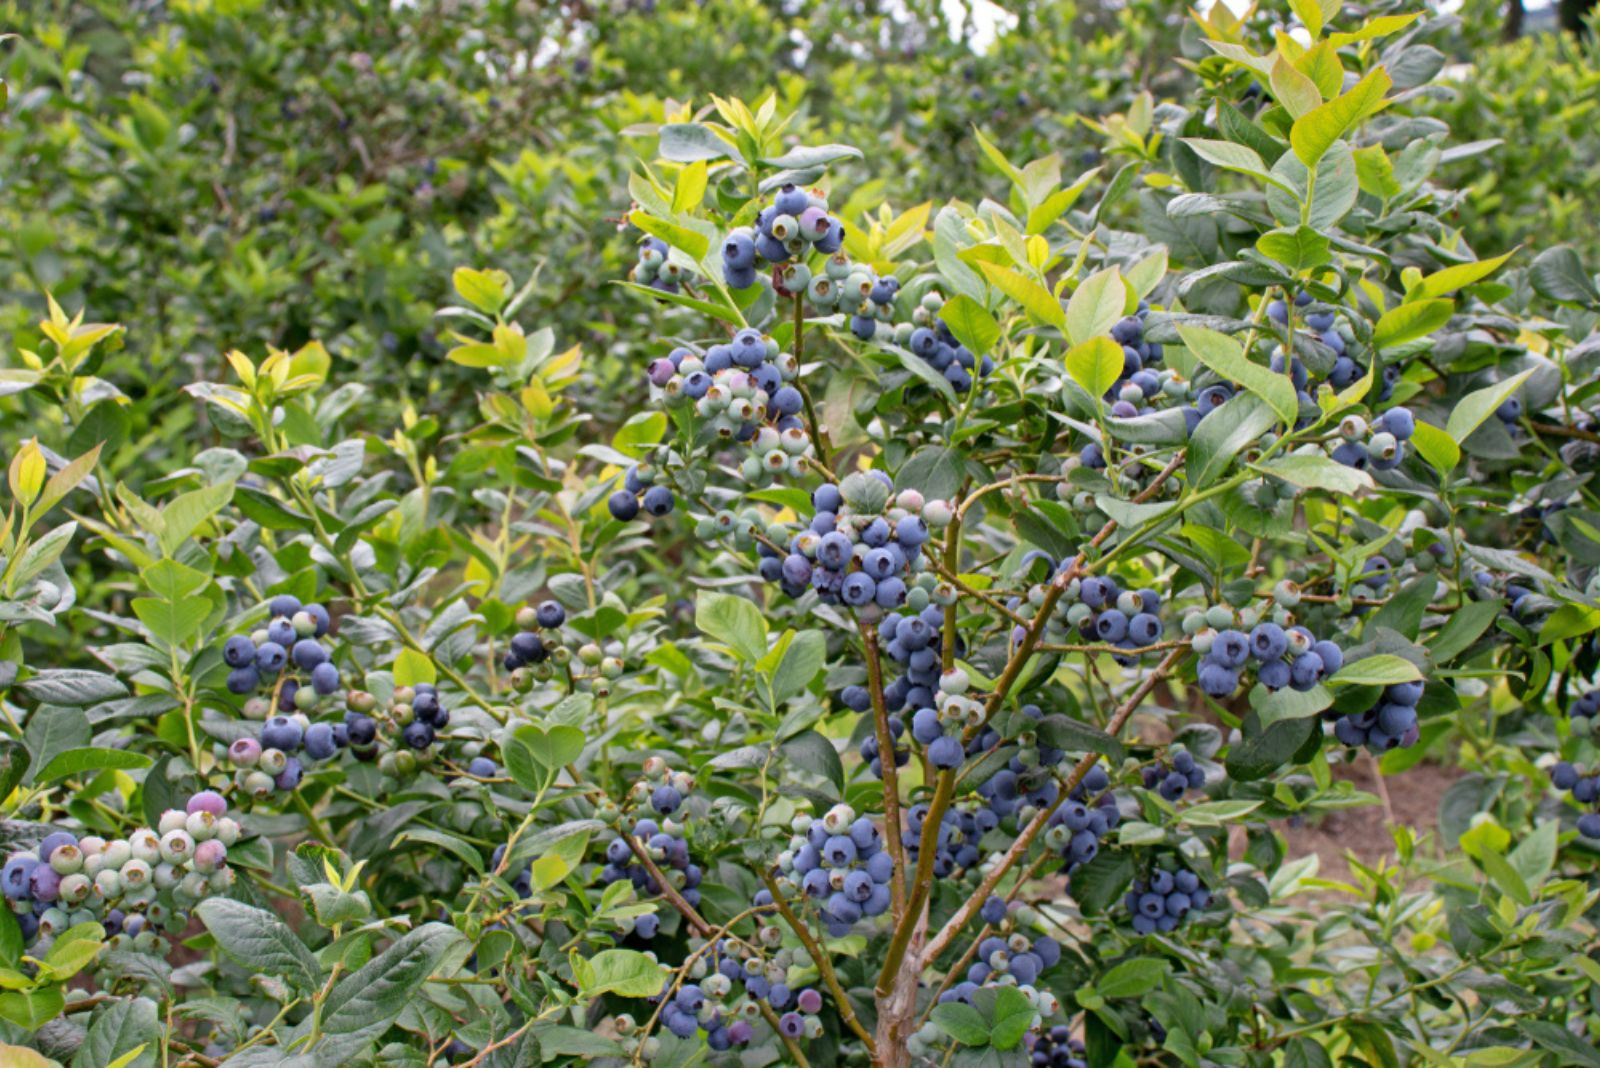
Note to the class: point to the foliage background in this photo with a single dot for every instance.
(245, 174)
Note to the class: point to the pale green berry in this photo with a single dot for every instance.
(74, 887)
(201, 825)
(144, 845)
(136, 873)
(177, 847)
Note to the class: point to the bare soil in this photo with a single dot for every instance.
(1364, 832)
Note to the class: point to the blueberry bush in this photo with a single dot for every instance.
(901, 632)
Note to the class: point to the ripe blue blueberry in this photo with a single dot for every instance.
(658, 500)
(239, 651)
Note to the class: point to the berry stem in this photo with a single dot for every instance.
(818, 438)
(824, 964)
(891, 773)
(1019, 848)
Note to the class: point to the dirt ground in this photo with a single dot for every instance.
(1413, 799)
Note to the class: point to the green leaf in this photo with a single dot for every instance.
(1314, 471)
(1504, 876)
(1216, 813)
(1467, 624)
(372, 997)
(1013, 1015)
(1576, 1052)
(187, 511)
(485, 290)
(1225, 433)
(687, 142)
(32, 1009)
(75, 762)
(1407, 322)
(623, 972)
(971, 323)
(812, 752)
(413, 666)
(1132, 978)
(120, 1027)
(642, 430)
(1096, 306)
(1226, 357)
(1436, 446)
(73, 687)
(803, 157)
(552, 748)
(1475, 407)
(1384, 669)
(1034, 298)
(1299, 249)
(259, 941)
(733, 620)
(961, 1022)
(1451, 279)
(1238, 158)
(1315, 131)
(267, 510)
(1095, 364)
(1557, 273)
(1297, 93)
(1569, 621)
(936, 471)
(802, 659)
(692, 242)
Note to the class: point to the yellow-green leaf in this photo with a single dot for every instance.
(1450, 279)
(484, 290)
(1297, 93)
(1315, 132)
(1034, 298)
(1411, 321)
(1095, 364)
(1096, 305)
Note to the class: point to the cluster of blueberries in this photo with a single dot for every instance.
(1324, 327)
(1021, 958)
(1284, 656)
(1173, 780)
(1585, 790)
(1088, 814)
(726, 1019)
(1140, 358)
(655, 270)
(938, 347)
(257, 659)
(124, 884)
(739, 387)
(663, 841)
(839, 861)
(1102, 611)
(861, 546)
(533, 643)
(1055, 1048)
(793, 226)
(639, 490)
(960, 830)
(940, 724)
(914, 643)
(1162, 900)
(1381, 446)
(1388, 724)
(843, 284)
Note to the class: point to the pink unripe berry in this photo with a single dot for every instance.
(208, 801)
(210, 855)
